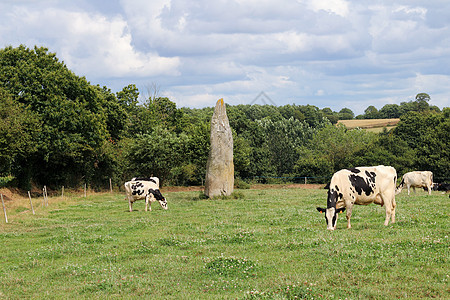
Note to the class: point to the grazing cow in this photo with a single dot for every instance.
(416, 179)
(443, 187)
(144, 189)
(153, 179)
(361, 186)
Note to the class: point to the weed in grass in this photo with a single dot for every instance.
(295, 291)
(21, 209)
(231, 266)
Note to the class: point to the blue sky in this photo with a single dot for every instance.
(327, 53)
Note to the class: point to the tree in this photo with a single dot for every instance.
(423, 97)
(282, 139)
(332, 148)
(71, 111)
(371, 112)
(18, 130)
(146, 157)
(422, 100)
(330, 115)
(346, 114)
(389, 111)
(428, 134)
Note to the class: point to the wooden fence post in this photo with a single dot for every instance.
(31, 203)
(110, 185)
(62, 193)
(45, 195)
(4, 209)
(85, 190)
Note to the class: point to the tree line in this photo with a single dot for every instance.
(58, 129)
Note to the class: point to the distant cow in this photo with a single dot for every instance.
(443, 187)
(416, 179)
(361, 186)
(144, 189)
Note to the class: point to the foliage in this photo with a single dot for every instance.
(58, 129)
(332, 148)
(157, 153)
(19, 128)
(428, 135)
(388, 111)
(282, 138)
(72, 114)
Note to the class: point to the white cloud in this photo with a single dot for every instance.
(92, 44)
(338, 7)
(333, 53)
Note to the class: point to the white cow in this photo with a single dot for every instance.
(361, 186)
(416, 179)
(147, 189)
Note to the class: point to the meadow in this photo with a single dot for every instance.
(373, 125)
(259, 244)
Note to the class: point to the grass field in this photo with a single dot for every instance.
(374, 125)
(267, 244)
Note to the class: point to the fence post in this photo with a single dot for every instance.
(31, 203)
(45, 195)
(305, 179)
(110, 185)
(62, 193)
(85, 190)
(4, 209)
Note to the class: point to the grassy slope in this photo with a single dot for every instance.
(272, 243)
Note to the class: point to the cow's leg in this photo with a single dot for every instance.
(130, 204)
(151, 198)
(394, 205)
(389, 200)
(408, 186)
(146, 203)
(429, 190)
(349, 215)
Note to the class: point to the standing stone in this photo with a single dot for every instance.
(220, 168)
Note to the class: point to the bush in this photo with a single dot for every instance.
(241, 184)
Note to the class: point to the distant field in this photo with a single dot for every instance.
(267, 244)
(375, 125)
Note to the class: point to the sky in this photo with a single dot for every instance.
(327, 53)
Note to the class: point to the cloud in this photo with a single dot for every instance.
(327, 53)
(91, 44)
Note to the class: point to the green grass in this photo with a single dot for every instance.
(270, 244)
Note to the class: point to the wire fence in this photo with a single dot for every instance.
(293, 179)
(313, 179)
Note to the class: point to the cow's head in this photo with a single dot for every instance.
(331, 213)
(158, 196)
(163, 203)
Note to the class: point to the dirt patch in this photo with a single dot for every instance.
(10, 194)
(182, 188)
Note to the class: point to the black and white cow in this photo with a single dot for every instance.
(144, 189)
(416, 179)
(443, 187)
(361, 186)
